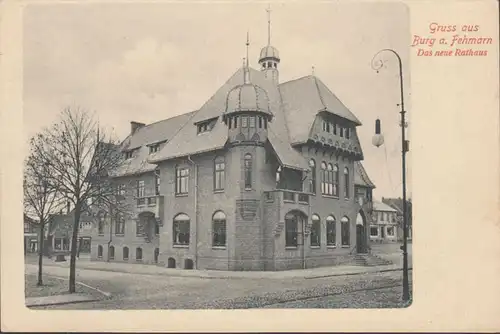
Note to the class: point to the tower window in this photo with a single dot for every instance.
(263, 65)
(260, 122)
(265, 123)
(230, 122)
(236, 122)
(269, 64)
(244, 121)
(248, 171)
(252, 121)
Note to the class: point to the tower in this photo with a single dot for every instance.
(269, 55)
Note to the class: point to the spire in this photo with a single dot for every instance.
(268, 10)
(246, 74)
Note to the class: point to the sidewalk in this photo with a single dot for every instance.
(59, 299)
(143, 269)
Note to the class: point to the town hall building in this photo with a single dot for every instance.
(266, 175)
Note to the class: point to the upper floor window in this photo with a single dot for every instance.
(154, 148)
(341, 131)
(26, 227)
(181, 180)
(157, 182)
(219, 173)
(219, 229)
(331, 231)
(348, 133)
(248, 171)
(100, 224)
(323, 178)
(260, 122)
(181, 229)
(346, 183)
(315, 231)
(326, 126)
(329, 179)
(235, 122)
(334, 126)
(312, 180)
(141, 190)
(120, 190)
(120, 225)
(336, 178)
(129, 154)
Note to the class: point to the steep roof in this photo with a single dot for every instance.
(303, 99)
(379, 206)
(361, 177)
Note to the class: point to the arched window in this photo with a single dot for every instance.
(315, 231)
(138, 254)
(291, 230)
(219, 173)
(345, 231)
(346, 183)
(331, 233)
(125, 253)
(312, 180)
(111, 252)
(99, 251)
(330, 179)
(181, 230)
(248, 171)
(323, 178)
(219, 229)
(336, 178)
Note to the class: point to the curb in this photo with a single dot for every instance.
(357, 273)
(63, 303)
(106, 294)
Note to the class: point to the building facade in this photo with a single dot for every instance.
(264, 176)
(384, 226)
(31, 235)
(397, 204)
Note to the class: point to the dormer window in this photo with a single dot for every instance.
(326, 126)
(348, 133)
(206, 126)
(341, 131)
(334, 125)
(154, 148)
(129, 154)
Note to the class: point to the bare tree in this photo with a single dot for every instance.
(80, 157)
(41, 198)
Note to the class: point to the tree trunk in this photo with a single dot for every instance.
(40, 256)
(74, 239)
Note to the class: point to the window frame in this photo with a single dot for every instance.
(312, 179)
(177, 222)
(219, 218)
(331, 229)
(100, 251)
(127, 252)
(219, 173)
(248, 171)
(181, 180)
(323, 167)
(138, 251)
(291, 231)
(119, 225)
(347, 185)
(345, 232)
(315, 231)
(111, 254)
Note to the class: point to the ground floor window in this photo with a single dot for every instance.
(112, 252)
(374, 231)
(390, 231)
(331, 233)
(125, 253)
(345, 231)
(315, 231)
(61, 244)
(99, 251)
(181, 229)
(138, 254)
(219, 229)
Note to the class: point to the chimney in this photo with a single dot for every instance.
(134, 126)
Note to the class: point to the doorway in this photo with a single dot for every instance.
(361, 239)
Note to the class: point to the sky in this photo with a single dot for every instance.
(151, 61)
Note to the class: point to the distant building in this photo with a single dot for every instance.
(31, 235)
(384, 226)
(397, 204)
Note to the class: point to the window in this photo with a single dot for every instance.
(374, 231)
(58, 243)
(181, 180)
(312, 180)
(100, 224)
(334, 125)
(336, 178)
(315, 231)
(141, 191)
(326, 126)
(120, 224)
(323, 178)
(390, 231)
(181, 229)
(154, 148)
(111, 252)
(348, 133)
(125, 253)
(139, 228)
(331, 232)
(248, 171)
(206, 126)
(219, 173)
(346, 183)
(99, 251)
(260, 122)
(129, 154)
(157, 228)
(219, 229)
(244, 121)
(235, 122)
(329, 172)
(265, 123)
(291, 230)
(138, 254)
(26, 227)
(157, 182)
(252, 121)
(341, 131)
(120, 190)
(345, 231)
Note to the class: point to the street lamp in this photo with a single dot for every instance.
(378, 140)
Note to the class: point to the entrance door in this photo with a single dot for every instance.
(360, 239)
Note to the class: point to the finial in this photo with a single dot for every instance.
(268, 10)
(246, 74)
(312, 68)
(248, 43)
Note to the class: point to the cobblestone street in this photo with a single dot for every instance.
(139, 291)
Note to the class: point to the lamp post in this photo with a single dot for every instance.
(378, 140)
